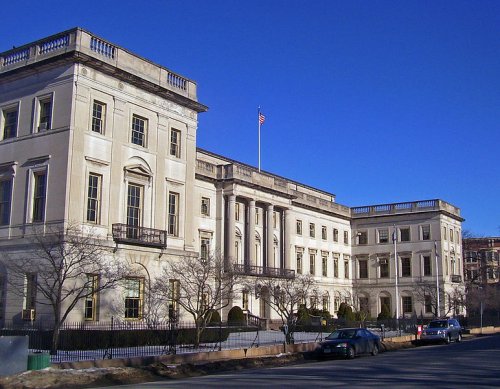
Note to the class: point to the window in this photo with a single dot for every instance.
(326, 302)
(299, 262)
(312, 230)
(364, 305)
(5, 201)
(134, 210)
(384, 267)
(346, 237)
(45, 114)
(237, 211)
(93, 198)
(336, 303)
(133, 298)
(244, 300)
(405, 267)
(324, 265)
(427, 265)
(405, 234)
(98, 116)
(139, 130)
(336, 265)
(173, 214)
(426, 232)
(363, 268)
(312, 263)
(383, 235)
(407, 304)
(173, 304)
(444, 233)
(385, 301)
(90, 300)
(298, 226)
(205, 206)
(428, 304)
(335, 235)
(30, 289)
(362, 237)
(175, 143)
(10, 123)
(204, 247)
(451, 235)
(39, 193)
(346, 266)
(257, 216)
(323, 233)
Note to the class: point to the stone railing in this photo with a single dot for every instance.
(139, 236)
(263, 271)
(78, 40)
(396, 208)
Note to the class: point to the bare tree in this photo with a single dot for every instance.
(426, 294)
(199, 286)
(67, 265)
(284, 296)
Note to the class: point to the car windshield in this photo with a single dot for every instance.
(438, 324)
(342, 334)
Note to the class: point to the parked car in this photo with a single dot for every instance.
(349, 342)
(442, 330)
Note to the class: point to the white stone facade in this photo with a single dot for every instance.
(93, 134)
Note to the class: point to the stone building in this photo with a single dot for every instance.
(94, 134)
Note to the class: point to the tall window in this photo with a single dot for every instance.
(405, 234)
(175, 143)
(244, 299)
(346, 237)
(204, 247)
(205, 206)
(363, 268)
(324, 265)
(173, 214)
(384, 267)
(336, 265)
(45, 114)
(39, 193)
(335, 235)
(428, 304)
(427, 265)
(173, 304)
(10, 123)
(98, 116)
(134, 210)
(407, 304)
(299, 262)
(326, 302)
(364, 304)
(298, 227)
(426, 232)
(383, 235)
(346, 266)
(90, 301)
(30, 290)
(133, 298)
(93, 198)
(5, 201)
(139, 130)
(323, 233)
(385, 301)
(362, 237)
(406, 267)
(237, 211)
(257, 216)
(312, 263)
(312, 230)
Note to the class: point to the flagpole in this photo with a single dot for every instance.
(258, 120)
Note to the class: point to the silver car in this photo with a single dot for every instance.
(442, 330)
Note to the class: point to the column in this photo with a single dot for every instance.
(231, 228)
(251, 233)
(270, 236)
(288, 238)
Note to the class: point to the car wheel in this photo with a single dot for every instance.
(447, 340)
(375, 349)
(459, 338)
(350, 353)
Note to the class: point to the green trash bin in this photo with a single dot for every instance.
(38, 361)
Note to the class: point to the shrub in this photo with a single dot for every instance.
(214, 317)
(385, 313)
(235, 317)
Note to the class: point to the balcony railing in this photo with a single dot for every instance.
(263, 271)
(456, 278)
(139, 236)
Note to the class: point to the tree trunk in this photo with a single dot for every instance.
(55, 339)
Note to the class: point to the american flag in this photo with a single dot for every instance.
(262, 118)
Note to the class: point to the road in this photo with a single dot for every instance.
(474, 363)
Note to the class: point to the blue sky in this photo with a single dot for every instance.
(374, 101)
